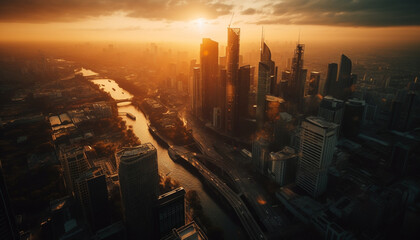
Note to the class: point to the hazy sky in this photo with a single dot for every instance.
(365, 21)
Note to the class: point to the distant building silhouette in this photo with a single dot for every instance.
(298, 78)
(331, 80)
(313, 85)
(197, 94)
(139, 179)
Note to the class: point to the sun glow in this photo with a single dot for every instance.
(199, 24)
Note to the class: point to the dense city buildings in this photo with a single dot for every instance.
(139, 178)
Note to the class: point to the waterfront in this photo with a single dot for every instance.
(231, 230)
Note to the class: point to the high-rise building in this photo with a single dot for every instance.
(331, 80)
(260, 153)
(232, 65)
(345, 79)
(197, 96)
(317, 145)
(74, 162)
(222, 98)
(8, 229)
(283, 165)
(209, 57)
(139, 179)
(313, 84)
(91, 191)
(266, 77)
(331, 109)
(244, 84)
(353, 117)
(298, 77)
(171, 210)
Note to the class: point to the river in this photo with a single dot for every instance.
(231, 229)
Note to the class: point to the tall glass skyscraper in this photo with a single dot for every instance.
(330, 82)
(209, 57)
(266, 77)
(232, 65)
(139, 181)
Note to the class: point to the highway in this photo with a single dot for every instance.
(244, 215)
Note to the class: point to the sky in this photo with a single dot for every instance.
(345, 21)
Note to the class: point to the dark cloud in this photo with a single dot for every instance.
(373, 13)
(249, 11)
(73, 10)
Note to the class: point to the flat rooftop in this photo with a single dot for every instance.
(129, 152)
(321, 122)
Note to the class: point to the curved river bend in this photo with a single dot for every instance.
(231, 230)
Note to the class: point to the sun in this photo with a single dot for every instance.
(199, 23)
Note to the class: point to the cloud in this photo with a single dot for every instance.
(249, 11)
(375, 13)
(42, 11)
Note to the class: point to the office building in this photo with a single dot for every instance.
(222, 98)
(298, 77)
(232, 65)
(139, 179)
(91, 191)
(190, 231)
(345, 79)
(317, 145)
(266, 82)
(331, 80)
(244, 84)
(74, 162)
(209, 56)
(197, 94)
(313, 85)
(171, 210)
(353, 117)
(283, 165)
(260, 153)
(331, 109)
(8, 228)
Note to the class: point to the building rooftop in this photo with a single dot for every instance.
(271, 98)
(130, 153)
(171, 195)
(320, 122)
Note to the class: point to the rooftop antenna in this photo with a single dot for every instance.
(299, 37)
(231, 19)
(262, 39)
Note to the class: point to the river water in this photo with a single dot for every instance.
(230, 227)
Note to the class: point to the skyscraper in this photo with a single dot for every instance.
(232, 64)
(209, 56)
(8, 230)
(91, 191)
(197, 97)
(244, 84)
(266, 77)
(331, 109)
(139, 179)
(297, 81)
(260, 153)
(171, 210)
(344, 78)
(317, 145)
(330, 82)
(313, 84)
(74, 163)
